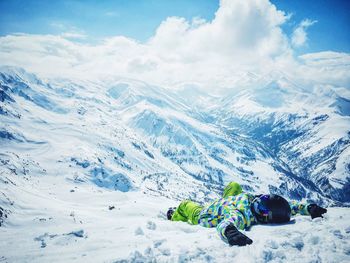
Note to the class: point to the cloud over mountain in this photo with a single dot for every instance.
(243, 36)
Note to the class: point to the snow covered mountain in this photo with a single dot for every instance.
(127, 136)
(276, 137)
(304, 132)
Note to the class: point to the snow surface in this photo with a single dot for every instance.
(88, 170)
(56, 220)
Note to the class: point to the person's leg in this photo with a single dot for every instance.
(232, 189)
(187, 211)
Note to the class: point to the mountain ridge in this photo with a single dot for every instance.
(161, 139)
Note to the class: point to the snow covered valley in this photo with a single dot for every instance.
(89, 168)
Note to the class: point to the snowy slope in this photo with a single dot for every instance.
(70, 149)
(57, 220)
(306, 132)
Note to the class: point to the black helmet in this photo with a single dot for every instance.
(271, 209)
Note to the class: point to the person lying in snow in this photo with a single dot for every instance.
(238, 210)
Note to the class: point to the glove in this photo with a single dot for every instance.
(316, 211)
(170, 212)
(235, 237)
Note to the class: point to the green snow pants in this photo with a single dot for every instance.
(232, 189)
(187, 211)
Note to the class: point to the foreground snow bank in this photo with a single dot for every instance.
(52, 219)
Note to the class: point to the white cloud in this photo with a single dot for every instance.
(58, 25)
(68, 31)
(325, 67)
(244, 36)
(241, 30)
(74, 35)
(299, 36)
(112, 14)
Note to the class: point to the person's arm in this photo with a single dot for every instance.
(307, 209)
(232, 189)
(298, 208)
(228, 229)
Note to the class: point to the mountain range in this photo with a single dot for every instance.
(270, 135)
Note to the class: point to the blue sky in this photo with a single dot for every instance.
(332, 30)
(139, 19)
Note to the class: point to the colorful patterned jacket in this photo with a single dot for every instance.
(234, 208)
